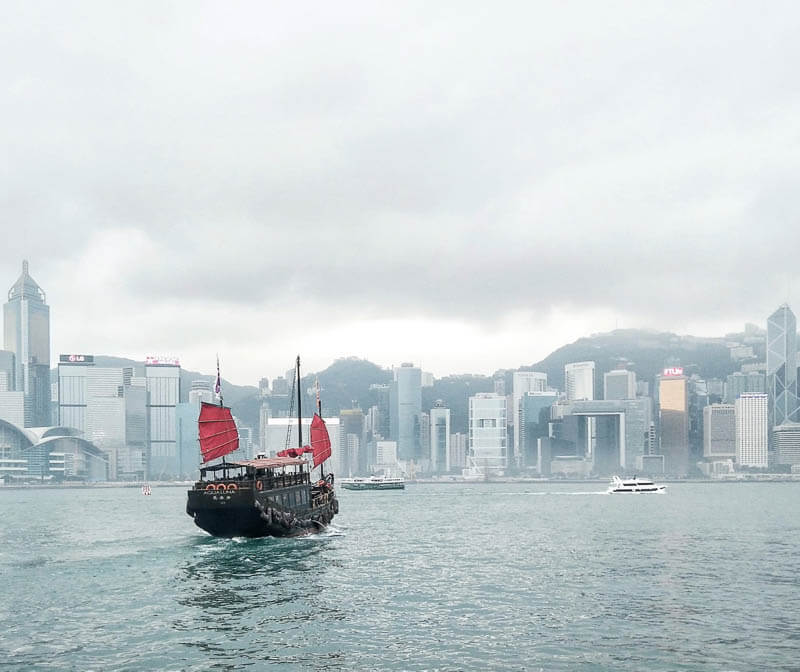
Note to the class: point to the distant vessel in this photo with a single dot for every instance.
(635, 485)
(267, 496)
(373, 483)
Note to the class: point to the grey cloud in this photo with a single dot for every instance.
(409, 160)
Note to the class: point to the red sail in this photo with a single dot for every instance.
(320, 441)
(217, 431)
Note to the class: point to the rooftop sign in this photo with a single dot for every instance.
(673, 371)
(161, 360)
(76, 359)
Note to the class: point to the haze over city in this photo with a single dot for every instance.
(464, 187)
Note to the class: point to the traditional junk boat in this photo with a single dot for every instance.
(266, 496)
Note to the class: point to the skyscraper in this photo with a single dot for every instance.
(619, 384)
(27, 334)
(579, 381)
(406, 407)
(719, 431)
(523, 382)
(673, 404)
(533, 424)
(752, 430)
(782, 366)
(163, 380)
(487, 432)
(440, 438)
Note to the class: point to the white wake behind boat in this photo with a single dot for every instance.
(635, 485)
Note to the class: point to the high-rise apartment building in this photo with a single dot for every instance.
(522, 383)
(752, 430)
(488, 432)
(782, 366)
(619, 384)
(719, 431)
(673, 407)
(440, 438)
(406, 407)
(26, 333)
(579, 381)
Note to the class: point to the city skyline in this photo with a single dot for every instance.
(479, 182)
(399, 357)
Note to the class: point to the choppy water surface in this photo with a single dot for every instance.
(438, 577)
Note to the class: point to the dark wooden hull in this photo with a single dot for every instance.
(246, 511)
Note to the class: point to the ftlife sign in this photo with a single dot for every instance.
(673, 371)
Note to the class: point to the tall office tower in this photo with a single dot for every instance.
(487, 432)
(638, 418)
(459, 445)
(782, 366)
(619, 384)
(27, 334)
(263, 387)
(351, 424)
(382, 419)
(440, 438)
(522, 383)
(406, 407)
(673, 403)
(719, 431)
(425, 441)
(579, 381)
(752, 423)
(534, 423)
(163, 380)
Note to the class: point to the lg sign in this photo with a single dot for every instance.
(673, 371)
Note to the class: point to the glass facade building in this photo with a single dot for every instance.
(488, 432)
(163, 389)
(673, 405)
(26, 333)
(406, 408)
(782, 366)
(440, 439)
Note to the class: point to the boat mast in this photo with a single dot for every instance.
(218, 390)
(299, 409)
(319, 412)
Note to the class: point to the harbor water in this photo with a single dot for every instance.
(464, 576)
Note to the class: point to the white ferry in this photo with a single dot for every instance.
(373, 483)
(634, 484)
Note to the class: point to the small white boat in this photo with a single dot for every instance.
(373, 483)
(635, 485)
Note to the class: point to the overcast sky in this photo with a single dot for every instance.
(463, 185)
